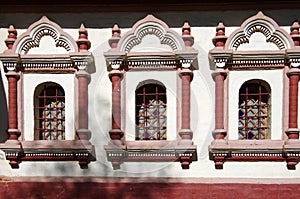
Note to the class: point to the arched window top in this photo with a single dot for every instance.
(254, 85)
(49, 112)
(49, 87)
(254, 110)
(150, 82)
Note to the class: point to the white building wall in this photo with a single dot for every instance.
(168, 78)
(202, 118)
(31, 81)
(275, 79)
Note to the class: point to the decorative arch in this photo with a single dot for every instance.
(44, 27)
(263, 24)
(150, 25)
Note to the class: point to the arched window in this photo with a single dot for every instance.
(49, 112)
(254, 110)
(151, 112)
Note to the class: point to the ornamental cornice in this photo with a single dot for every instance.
(263, 24)
(44, 150)
(150, 25)
(18, 58)
(178, 55)
(32, 37)
(229, 56)
(138, 153)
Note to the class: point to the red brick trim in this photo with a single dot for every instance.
(134, 188)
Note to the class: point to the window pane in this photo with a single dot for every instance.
(151, 112)
(254, 112)
(51, 113)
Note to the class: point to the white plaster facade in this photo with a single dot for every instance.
(202, 115)
(31, 81)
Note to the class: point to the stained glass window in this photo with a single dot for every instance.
(50, 113)
(151, 112)
(254, 111)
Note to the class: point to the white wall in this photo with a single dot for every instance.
(275, 79)
(202, 117)
(31, 81)
(168, 78)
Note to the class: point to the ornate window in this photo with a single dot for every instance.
(50, 112)
(257, 58)
(254, 111)
(151, 112)
(53, 127)
(145, 66)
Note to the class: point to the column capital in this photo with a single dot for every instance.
(219, 71)
(293, 71)
(13, 74)
(186, 71)
(83, 73)
(116, 73)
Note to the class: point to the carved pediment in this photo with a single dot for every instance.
(35, 36)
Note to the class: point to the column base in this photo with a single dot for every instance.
(84, 134)
(293, 133)
(219, 133)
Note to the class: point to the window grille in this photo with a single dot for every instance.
(151, 112)
(50, 111)
(254, 112)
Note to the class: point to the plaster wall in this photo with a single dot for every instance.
(202, 116)
(31, 81)
(275, 80)
(168, 78)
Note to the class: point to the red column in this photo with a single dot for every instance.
(83, 78)
(293, 131)
(13, 131)
(293, 74)
(115, 132)
(186, 78)
(293, 101)
(219, 76)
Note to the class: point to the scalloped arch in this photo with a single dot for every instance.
(263, 24)
(150, 25)
(32, 37)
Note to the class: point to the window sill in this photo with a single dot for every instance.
(221, 151)
(151, 151)
(44, 150)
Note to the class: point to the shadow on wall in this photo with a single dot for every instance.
(3, 113)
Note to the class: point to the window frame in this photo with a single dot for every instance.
(238, 66)
(21, 67)
(159, 97)
(248, 93)
(128, 68)
(41, 94)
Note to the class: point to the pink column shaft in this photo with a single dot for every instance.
(293, 105)
(186, 78)
(83, 102)
(116, 102)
